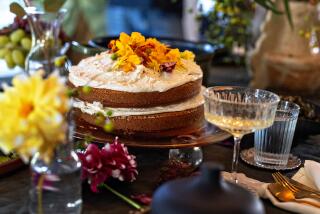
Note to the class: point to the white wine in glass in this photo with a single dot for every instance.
(239, 111)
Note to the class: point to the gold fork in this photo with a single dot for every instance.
(285, 195)
(299, 193)
(297, 184)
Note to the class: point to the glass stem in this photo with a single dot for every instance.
(236, 152)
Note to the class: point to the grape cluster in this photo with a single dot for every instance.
(15, 43)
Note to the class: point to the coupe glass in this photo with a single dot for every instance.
(239, 111)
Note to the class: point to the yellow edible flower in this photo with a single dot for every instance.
(188, 55)
(133, 40)
(127, 59)
(137, 38)
(33, 116)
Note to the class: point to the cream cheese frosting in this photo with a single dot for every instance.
(97, 72)
(97, 107)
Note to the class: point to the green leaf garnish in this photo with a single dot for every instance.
(114, 56)
(109, 113)
(288, 12)
(269, 5)
(53, 6)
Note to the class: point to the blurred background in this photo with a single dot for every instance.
(223, 35)
(168, 18)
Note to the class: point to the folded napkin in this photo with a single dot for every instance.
(308, 175)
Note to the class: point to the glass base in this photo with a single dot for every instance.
(192, 156)
(248, 156)
(266, 164)
(270, 159)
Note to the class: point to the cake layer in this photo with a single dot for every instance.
(121, 99)
(84, 128)
(97, 107)
(151, 123)
(98, 72)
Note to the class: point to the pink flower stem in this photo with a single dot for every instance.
(124, 198)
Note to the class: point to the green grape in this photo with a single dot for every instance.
(17, 35)
(18, 57)
(108, 126)
(9, 60)
(3, 41)
(26, 43)
(3, 52)
(10, 46)
(86, 89)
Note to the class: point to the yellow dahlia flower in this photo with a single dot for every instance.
(32, 116)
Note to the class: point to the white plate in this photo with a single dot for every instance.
(7, 74)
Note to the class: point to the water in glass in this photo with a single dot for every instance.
(272, 145)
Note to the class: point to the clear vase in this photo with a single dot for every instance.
(56, 186)
(46, 45)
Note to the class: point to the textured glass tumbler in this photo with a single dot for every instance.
(272, 145)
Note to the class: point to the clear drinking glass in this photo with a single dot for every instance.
(272, 145)
(239, 111)
(56, 187)
(46, 45)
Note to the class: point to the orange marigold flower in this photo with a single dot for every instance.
(124, 38)
(137, 38)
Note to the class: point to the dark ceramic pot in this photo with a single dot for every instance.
(204, 194)
(204, 51)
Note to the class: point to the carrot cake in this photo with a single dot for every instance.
(148, 86)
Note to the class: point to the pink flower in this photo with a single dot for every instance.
(113, 160)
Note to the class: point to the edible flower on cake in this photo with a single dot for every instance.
(130, 51)
(135, 64)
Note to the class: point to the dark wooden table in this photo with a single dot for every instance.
(14, 187)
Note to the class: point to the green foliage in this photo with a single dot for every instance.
(230, 19)
(53, 6)
(270, 5)
(17, 9)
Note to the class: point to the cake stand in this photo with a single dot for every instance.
(185, 148)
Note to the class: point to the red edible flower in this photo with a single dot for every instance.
(168, 66)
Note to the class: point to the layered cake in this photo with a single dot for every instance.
(142, 86)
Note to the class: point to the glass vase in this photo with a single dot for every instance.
(56, 186)
(46, 45)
